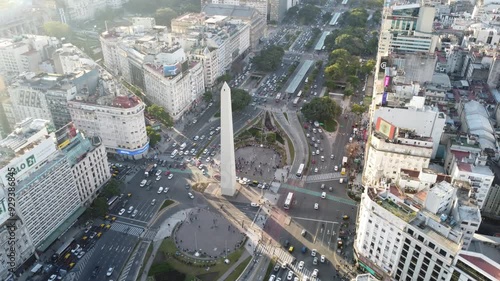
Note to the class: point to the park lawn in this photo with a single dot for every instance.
(238, 270)
(168, 247)
(269, 269)
(330, 125)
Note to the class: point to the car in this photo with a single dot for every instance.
(196, 137)
(208, 159)
(332, 156)
(320, 131)
(323, 195)
(286, 244)
(313, 153)
(272, 277)
(315, 273)
(313, 252)
(153, 201)
(277, 267)
(166, 189)
(187, 186)
(93, 235)
(301, 265)
(284, 265)
(253, 204)
(158, 172)
(315, 260)
(323, 259)
(205, 151)
(134, 213)
(160, 190)
(130, 209)
(345, 217)
(316, 206)
(96, 271)
(121, 212)
(81, 254)
(190, 195)
(290, 275)
(322, 158)
(202, 137)
(317, 151)
(170, 176)
(143, 183)
(158, 178)
(52, 277)
(316, 169)
(336, 168)
(109, 272)
(303, 233)
(296, 278)
(76, 249)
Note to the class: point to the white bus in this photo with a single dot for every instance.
(288, 201)
(299, 94)
(183, 145)
(174, 153)
(300, 170)
(112, 201)
(278, 97)
(296, 101)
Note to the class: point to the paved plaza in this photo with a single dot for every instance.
(207, 233)
(257, 163)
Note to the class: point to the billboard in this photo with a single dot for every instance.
(387, 81)
(133, 152)
(385, 128)
(171, 70)
(65, 134)
(384, 99)
(29, 160)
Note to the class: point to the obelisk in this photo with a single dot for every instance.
(228, 164)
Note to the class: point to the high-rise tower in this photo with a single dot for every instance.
(228, 166)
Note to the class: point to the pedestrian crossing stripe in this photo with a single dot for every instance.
(127, 229)
(323, 177)
(126, 269)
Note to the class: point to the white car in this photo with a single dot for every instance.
(253, 204)
(323, 258)
(322, 158)
(208, 159)
(170, 176)
(332, 156)
(134, 213)
(160, 190)
(315, 260)
(316, 206)
(323, 195)
(336, 168)
(205, 152)
(166, 189)
(315, 273)
(191, 195)
(301, 265)
(316, 170)
(143, 183)
(313, 153)
(313, 252)
(158, 172)
(158, 178)
(52, 277)
(110, 271)
(272, 277)
(320, 131)
(290, 275)
(196, 137)
(122, 211)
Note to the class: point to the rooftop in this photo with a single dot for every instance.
(430, 232)
(299, 76)
(483, 264)
(230, 10)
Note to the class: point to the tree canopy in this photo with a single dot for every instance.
(321, 109)
(307, 13)
(164, 16)
(150, 6)
(207, 96)
(358, 109)
(269, 59)
(160, 114)
(57, 29)
(239, 99)
(99, 207)
(154, 136)
(356, 17)
(112, 188)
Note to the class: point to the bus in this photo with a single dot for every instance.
(278, 97)
(62, 249)
(112, 201)
(296, 101)
(288, 201)
(300, 170)
(299, 94)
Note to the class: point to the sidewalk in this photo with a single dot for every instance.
(243, 257)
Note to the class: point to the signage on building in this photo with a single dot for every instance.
(30, 159)
(387, 81)
(171, 70)
(384, 98)
(133, 152)
(383, 63)
(64, 135)
(385, 128)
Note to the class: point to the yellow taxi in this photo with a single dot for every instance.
(102, 225)
(71, 265)
(67, 255)
(99, 235)
(290, 249)
(108, 226)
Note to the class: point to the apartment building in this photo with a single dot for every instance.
(114, 115)
(69, 59)
(260, 5)
(45, 96)
(21, 17)
(480, 262)
(407, 28)
(400, 239)
(83, 10)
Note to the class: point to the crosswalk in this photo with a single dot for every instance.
(150, 234)
(127, 229)
(81, 265)
(323, 177)
(126, 268)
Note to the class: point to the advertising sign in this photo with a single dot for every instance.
(384, 98)
(133, 152)
(385, 128)
(171, 70)
(387, 80)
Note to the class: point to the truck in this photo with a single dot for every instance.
(344, 161)
(149, 170)
(183, 145)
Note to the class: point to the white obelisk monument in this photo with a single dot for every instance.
(227, 161)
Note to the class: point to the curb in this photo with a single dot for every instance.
(161, 212)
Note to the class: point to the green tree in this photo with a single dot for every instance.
(164, 16)
(160, 114)
(321, 109)
(368, 67)
(356, 17)
(57, 29)
(224, 78)
(353, 80)
(269, 59)
(354, 44)
(112, 188)
(358, 109)
(239, 99)
(154, 136)
(99, 207)
(207, 96)
(307, 13)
